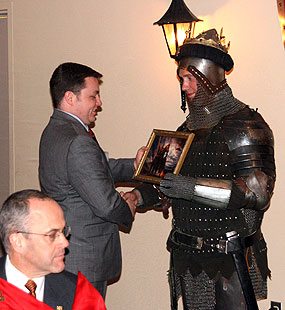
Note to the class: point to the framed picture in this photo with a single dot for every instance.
(166, 151)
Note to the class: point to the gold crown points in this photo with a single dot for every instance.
(218, 41)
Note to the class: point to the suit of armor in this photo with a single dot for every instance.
(225, 160)
(229, 174)
(223, 189)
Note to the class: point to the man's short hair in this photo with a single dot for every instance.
(69, 76)
(14, 213)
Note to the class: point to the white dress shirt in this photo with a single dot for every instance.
(17, 278)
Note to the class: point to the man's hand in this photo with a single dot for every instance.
(132, 198)
(165, 204)
(139, 156)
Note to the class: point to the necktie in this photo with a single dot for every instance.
(91, 134)
(31, 286)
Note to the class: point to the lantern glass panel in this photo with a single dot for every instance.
(168, 30)
(181, 32)
(175, 40)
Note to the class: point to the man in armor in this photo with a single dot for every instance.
(223, 189)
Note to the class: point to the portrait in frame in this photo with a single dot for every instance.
(166, 152)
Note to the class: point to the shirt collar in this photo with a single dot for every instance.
(17, 278)
(77, 118)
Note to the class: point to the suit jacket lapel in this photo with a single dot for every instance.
(55, 293)
(2, 267)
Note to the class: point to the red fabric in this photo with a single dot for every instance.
(86, 296)
(12, 298)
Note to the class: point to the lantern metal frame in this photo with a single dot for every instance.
(177, 23)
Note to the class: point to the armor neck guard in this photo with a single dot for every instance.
(206, 110)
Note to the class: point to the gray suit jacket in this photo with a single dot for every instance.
(74, 171)
(59, 287)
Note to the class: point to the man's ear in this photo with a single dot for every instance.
(69, 97)
(17, 242)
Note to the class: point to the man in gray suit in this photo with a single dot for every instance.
(33, 232)
(75, 171)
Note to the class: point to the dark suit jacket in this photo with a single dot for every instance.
(74, 171)
(59, 287)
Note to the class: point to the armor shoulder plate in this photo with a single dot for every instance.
(245, 128)
(250, 141)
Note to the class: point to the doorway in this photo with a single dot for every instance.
(4, 108)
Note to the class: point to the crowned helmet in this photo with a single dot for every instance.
(206, 57)
(207, 45)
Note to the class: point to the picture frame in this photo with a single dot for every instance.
(166, 152)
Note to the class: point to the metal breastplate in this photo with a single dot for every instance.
(208, 158)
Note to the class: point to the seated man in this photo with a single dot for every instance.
(34, 232)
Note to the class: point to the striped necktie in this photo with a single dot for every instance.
(31, 286)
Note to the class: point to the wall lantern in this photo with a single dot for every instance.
(177, 23)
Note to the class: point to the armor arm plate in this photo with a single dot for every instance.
(213, 193)
(251, 144)
(253, 192)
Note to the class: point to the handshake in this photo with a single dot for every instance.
(171, 186)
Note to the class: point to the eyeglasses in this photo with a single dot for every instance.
(53, 235)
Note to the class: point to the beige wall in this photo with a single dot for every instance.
(140, 92)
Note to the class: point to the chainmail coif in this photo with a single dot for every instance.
(217, 106)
